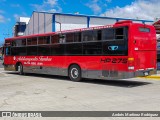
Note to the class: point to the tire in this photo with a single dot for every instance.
(74, 73)
(20, 69)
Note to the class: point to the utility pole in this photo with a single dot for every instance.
(60, 24)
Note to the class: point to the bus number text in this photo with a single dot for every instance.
(114, 60)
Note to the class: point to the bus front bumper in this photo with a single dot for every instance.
(9, 67)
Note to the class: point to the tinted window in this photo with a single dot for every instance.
(55, 39)
(96, 35)
(32, 41)
(87, 35)
(119, 33)
(99, 35)
(21, 42)
(24, 42)
(32, 50)
(69, 37)
(62, 38)
(57, 49)
(77, 37)
(18, 51)
(43, 50)
(119, 47)
(47, 40)
(44, 40)
(14, 43)
(92, 48)
(14, 51)
(108, 34)
(7, 43)
(22, 51)
(74, 49)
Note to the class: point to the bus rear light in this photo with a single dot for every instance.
(130, 63)
(130, 59)
(131, 68)
(140, 69)
(150, 68)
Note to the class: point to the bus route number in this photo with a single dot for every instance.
(114, 60)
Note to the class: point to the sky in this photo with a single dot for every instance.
(11, 10)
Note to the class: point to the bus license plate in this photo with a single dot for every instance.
(146, 73)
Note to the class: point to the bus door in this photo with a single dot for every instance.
(7, 53)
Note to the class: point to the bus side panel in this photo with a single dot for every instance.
(86, 63)
(99, 67)
(45, 65)
(96, 67)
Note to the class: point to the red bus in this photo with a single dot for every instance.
(119, 51)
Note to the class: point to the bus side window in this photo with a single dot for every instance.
(69, 37)
(77, 37)
(99, 35)
(13, 43)
(119, 33)
(55, 39)
(108, 34)
(46, 40)
(33, 41)
(87, 35)
(62, 38)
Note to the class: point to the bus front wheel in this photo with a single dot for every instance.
(20, 69)
(75, 73)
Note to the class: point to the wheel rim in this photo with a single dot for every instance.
(74, 73)
(19, 68)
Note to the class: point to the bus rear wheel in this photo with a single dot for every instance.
(20, 69)
(75, 73)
